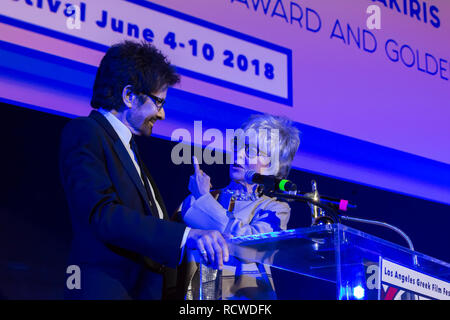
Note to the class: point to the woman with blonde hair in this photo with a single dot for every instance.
(267, 145)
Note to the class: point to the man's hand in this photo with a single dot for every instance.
(199, 182)
(211, 245)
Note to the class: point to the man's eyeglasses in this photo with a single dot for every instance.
(159, 102)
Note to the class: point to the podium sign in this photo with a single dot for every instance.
(395, 278)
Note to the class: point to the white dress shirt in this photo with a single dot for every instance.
(125, 136)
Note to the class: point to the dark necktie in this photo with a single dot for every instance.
(153, 207)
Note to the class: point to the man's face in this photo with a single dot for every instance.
(142, 116)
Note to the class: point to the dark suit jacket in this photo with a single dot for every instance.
(121, 249)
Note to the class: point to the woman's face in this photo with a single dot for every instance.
(253, 152)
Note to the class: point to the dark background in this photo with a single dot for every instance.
(35, 230)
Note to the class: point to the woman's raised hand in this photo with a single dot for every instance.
(199, 182)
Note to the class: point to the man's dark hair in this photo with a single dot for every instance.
(140, 65)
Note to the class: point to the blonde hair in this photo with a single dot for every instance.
(289, 137)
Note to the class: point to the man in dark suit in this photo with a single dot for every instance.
(124, 243)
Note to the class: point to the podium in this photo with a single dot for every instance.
(361, 266)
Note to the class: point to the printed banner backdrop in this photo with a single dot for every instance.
(373, 104)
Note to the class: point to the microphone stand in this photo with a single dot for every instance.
(335, 215)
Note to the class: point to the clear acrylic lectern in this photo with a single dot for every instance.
(361, 265)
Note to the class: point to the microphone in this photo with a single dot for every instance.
(340, 204)
(270, 182)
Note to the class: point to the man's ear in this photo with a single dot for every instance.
(128, 96)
